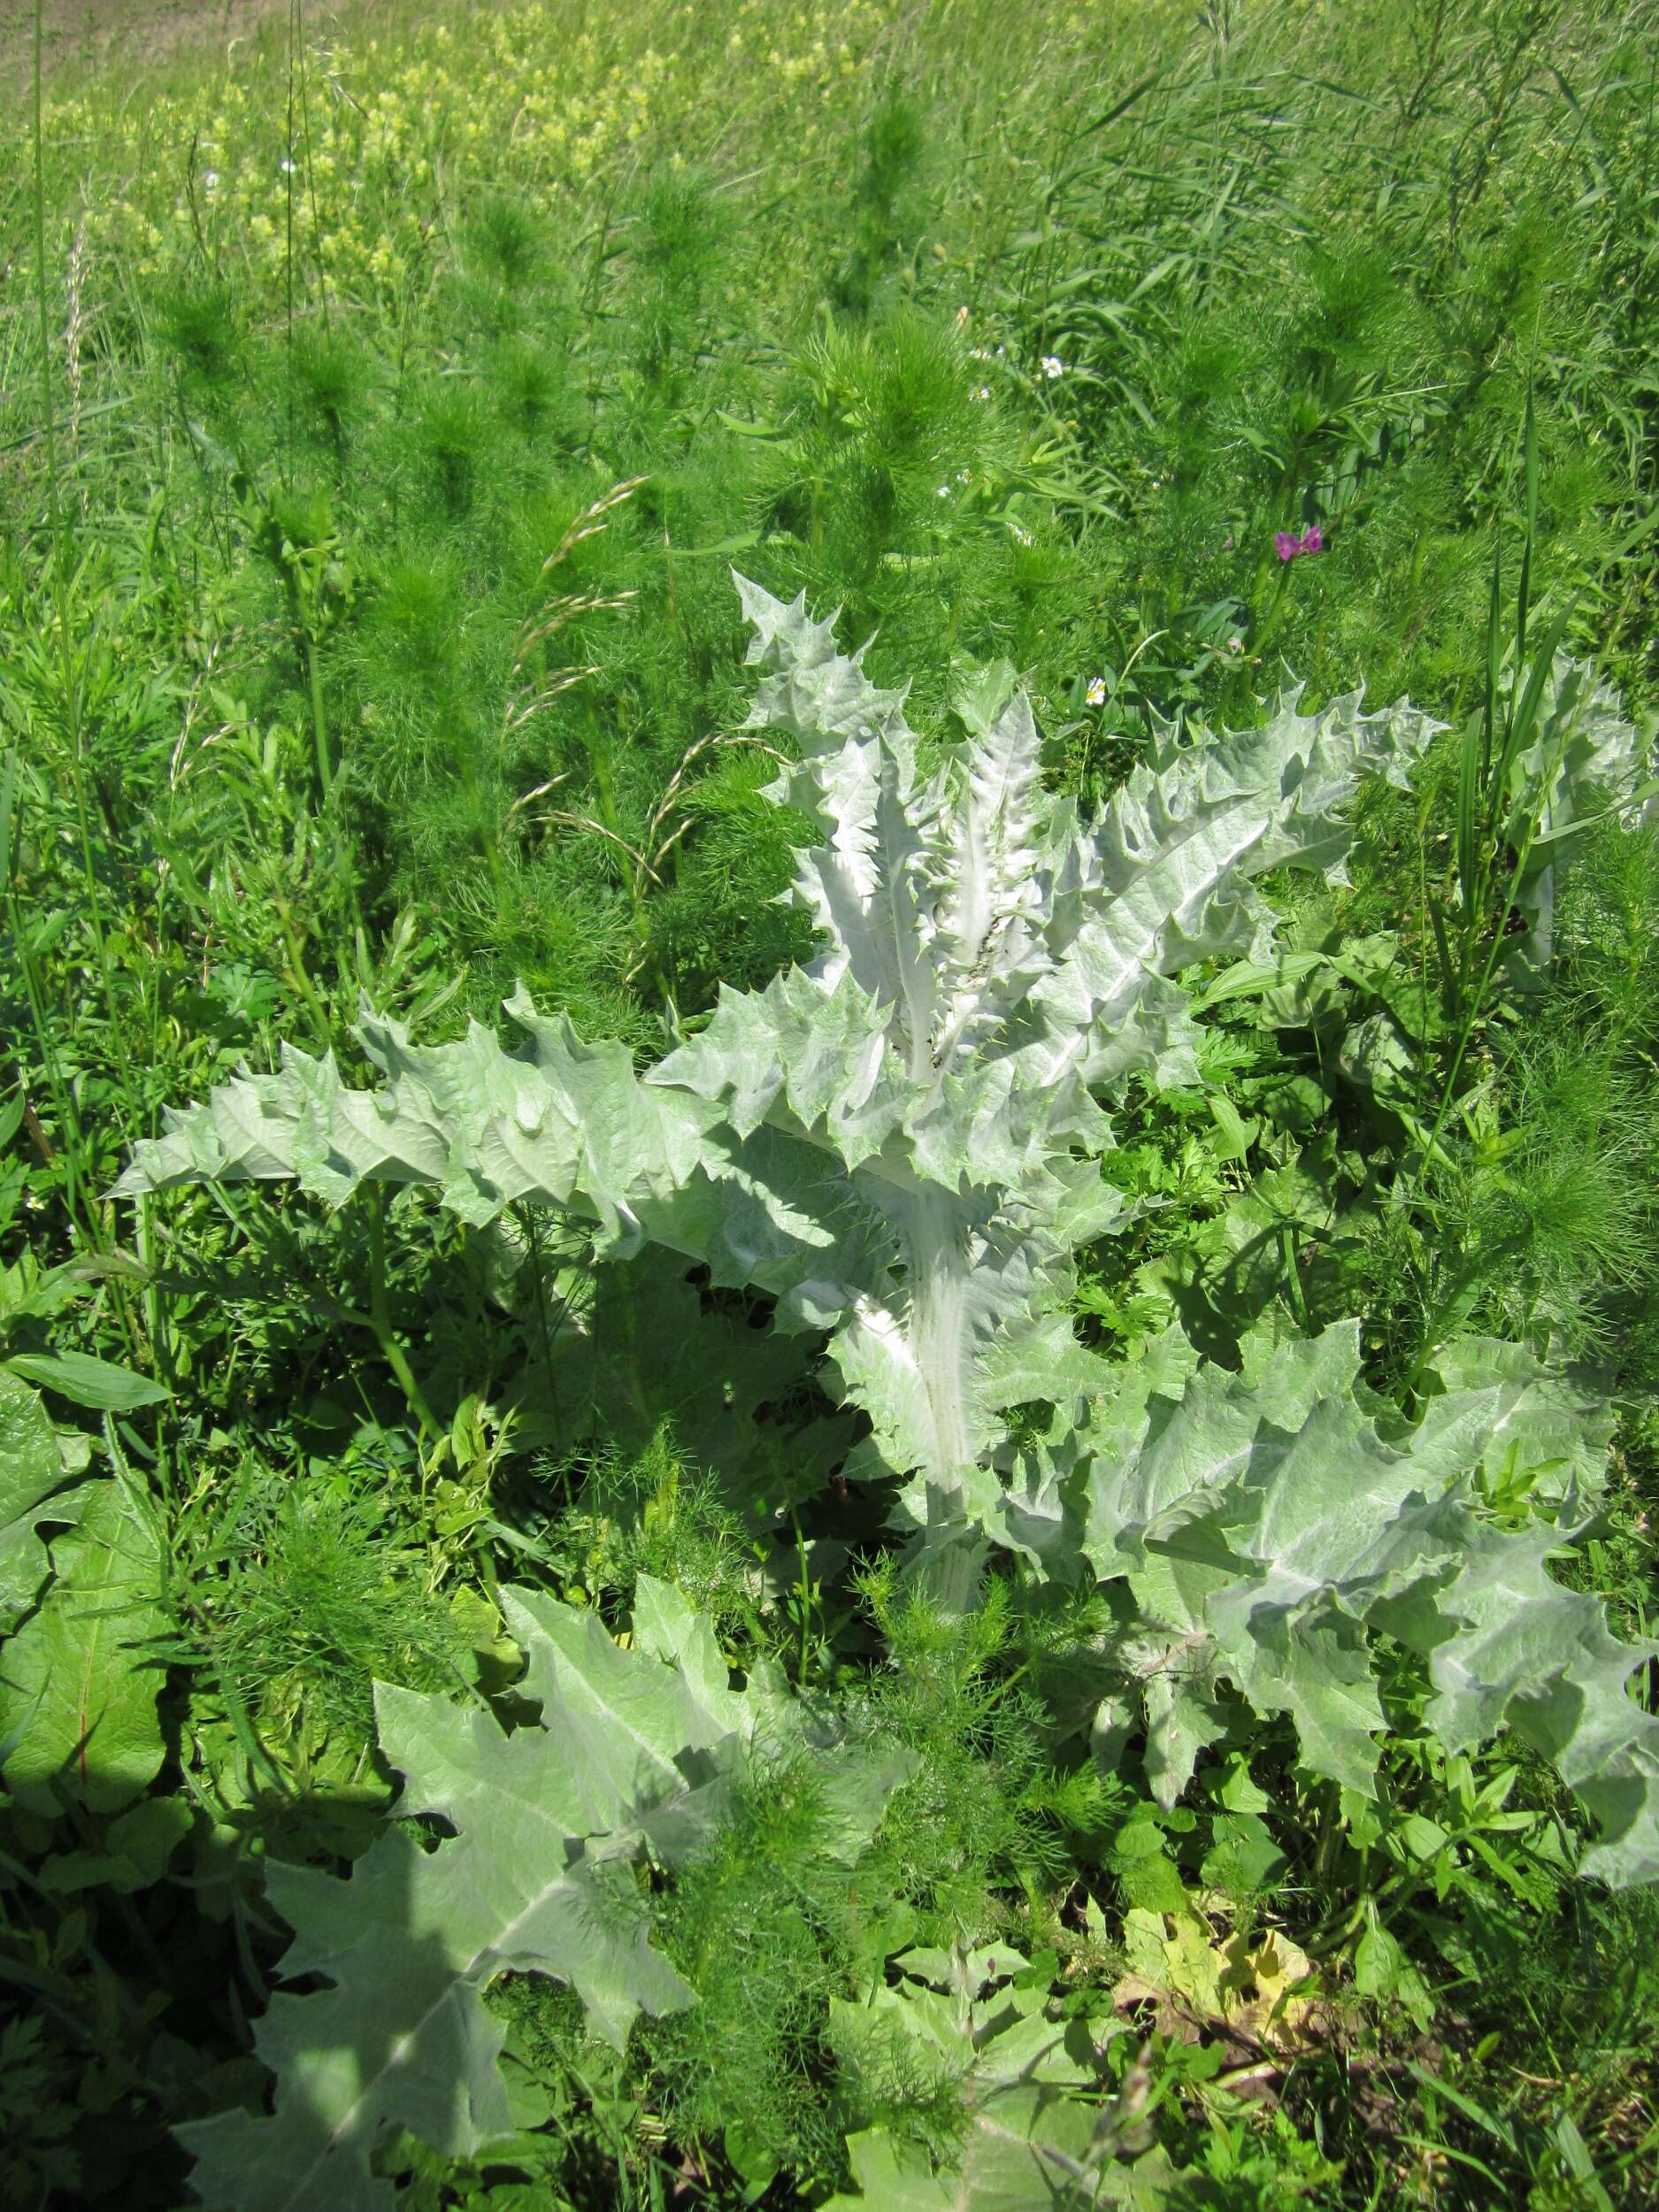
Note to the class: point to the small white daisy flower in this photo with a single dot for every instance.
(1096, 692)
(1052, 365)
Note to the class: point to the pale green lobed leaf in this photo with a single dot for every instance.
(988, 867)
(636, 1751)
(821, 698)
(563, 1123)
(1531, 1431)
(815, 1060)
(1273, 1520)
(1031, 2090)
(1162, 881)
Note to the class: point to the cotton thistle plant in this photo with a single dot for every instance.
(899, 1142)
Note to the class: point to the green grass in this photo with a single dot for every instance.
(383, 405)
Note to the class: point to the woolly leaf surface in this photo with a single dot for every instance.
(1029, 2086)
(1267, 1522)
(635, 1749)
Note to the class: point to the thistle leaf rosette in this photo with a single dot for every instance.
(988, 962)
(894, 1140)
(899, 1141)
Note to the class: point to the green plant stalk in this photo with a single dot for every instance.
(1269, 622)
(311, 183)
(1428, 923)
(1451, 1312)
(319, 720)
(288, 217)
(299, 973)
(1472, 1013)
(305, 634)
(48, 419)
(380, 1320)
(489, 838)
(608, 815)
(70, 684)
(68, 1117)
(526, 1214)
(156, 1314)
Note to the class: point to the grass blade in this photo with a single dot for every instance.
(1529, 445)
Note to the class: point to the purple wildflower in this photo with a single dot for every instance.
(1287, 545)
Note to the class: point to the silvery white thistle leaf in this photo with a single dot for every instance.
(634, 1754)
(896, 1142)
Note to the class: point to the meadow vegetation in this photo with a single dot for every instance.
(387, 399)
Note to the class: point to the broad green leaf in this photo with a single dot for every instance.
(33, 1483)
(77, 1693)
(141, 1843)
(86, 1381)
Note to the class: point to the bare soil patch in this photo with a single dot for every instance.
(82, 34)
(91, 31)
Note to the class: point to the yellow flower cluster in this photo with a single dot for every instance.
(388, 141)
